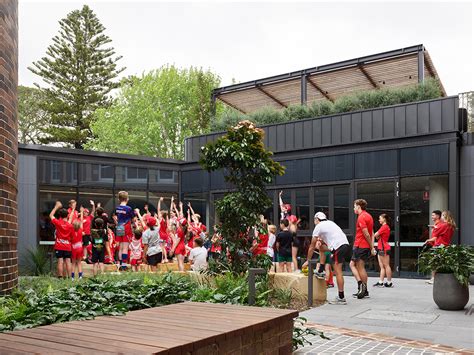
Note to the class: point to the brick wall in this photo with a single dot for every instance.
(8, 144)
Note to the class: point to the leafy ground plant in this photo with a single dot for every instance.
(301, 333)
(453, 259)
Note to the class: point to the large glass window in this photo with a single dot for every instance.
(127, 177)
(163, 180)
(47, 199)
(338, 167)
(321, 201)
(424, 160)
(341, 206)
(419, 196)
(376, 164)
(296, 172)
(96, 175)
(54, 172)
(195, 181)
(103, 196)
(302, 208)
(199, 204)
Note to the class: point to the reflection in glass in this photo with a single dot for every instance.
(96, 175)
(104, 196)
(47, 199)
(153, 198)
(199, 204)
(321, 201)
(302, 208)
(341, 206)
(57, 172)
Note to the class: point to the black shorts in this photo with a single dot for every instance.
(383, 252)
(342, 254)
(361, 254)
(63, 254)
(86, 240)
(154, 259)
(98, 256)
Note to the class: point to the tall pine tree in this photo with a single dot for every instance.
(79, 69)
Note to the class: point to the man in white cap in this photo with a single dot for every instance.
(328, 236)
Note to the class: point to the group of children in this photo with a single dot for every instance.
(128, 237)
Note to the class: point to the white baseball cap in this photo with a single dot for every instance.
(320, 215)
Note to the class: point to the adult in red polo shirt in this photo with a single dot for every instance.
(363, 246)
(64, 236)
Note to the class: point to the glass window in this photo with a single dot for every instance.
(127, 177)
(96, 175)
(419, 196)
(302, 208)
(47, 199)
(333, 168)
(376, 164)
(136, 199)
(163, 180)
(199, 204)
(268, 213)
(58, 172)
(424, 160)
(321, 201)
(103, 196)
(195, 181)
(296, 172)
(139, 174)
(341, 206)
(153, 198)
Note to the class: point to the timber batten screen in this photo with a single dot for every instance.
(397, 68)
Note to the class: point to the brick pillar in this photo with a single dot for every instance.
(8, 144)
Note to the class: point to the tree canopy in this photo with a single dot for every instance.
(79, 70)
(154, 113)
(32, 119)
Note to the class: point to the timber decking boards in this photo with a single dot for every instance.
(172, 329)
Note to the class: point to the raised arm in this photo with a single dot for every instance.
(57, 206)
(71, 215)
(181, 211)
(140, 217)
(93, 208)
(159, 205)
(191, 208)
(81, 216)
(281, 199)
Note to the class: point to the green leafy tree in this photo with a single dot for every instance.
(32, 119)
(79, 69)
(249, 167)
(154, 113)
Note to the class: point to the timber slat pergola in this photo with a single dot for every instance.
(396, 68)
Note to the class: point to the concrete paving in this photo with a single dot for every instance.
(407, 310)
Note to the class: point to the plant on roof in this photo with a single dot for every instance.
(249, 167)
(363, 100)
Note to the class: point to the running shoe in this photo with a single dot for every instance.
(320, 275)
(330, 285)
(430, 281)
(338, 300)
(388, 285)
(378, 284)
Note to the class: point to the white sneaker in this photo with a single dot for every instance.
(338, 300)
(430, 281)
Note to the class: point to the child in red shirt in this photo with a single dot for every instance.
(77, 246)
(163, 223)
(136, 250)
(63, 235)
(179, 248)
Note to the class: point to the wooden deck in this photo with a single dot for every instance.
(185, 328)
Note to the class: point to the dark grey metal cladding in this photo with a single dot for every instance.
(390, 122)
(466, 222)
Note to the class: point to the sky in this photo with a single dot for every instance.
(245, 41)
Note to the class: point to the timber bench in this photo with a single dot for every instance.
(183, 328)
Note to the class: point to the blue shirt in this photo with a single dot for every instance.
(124, 214)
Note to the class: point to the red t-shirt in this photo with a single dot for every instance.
(443, 233)
(64, 234)
(262, 244)
(76, 214)
(364, 220)
(384, 233)
(163, 231)
(77, 239)
(86, 225)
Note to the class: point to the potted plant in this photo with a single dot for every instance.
(453, 266)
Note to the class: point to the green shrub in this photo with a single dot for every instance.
(363, 100)
(38, 262)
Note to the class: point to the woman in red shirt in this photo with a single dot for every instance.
(179, 248)
(383, 251)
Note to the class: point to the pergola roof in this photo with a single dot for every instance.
(392, 69)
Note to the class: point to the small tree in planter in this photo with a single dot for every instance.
(453, 265)
(249, 167)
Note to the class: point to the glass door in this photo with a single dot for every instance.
(419, 196)
(381, 198)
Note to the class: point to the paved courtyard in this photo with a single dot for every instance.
(400, 320)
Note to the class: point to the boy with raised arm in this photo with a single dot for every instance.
(63, 235)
